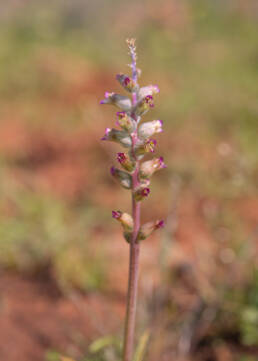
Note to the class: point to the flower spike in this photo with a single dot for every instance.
(137, 137)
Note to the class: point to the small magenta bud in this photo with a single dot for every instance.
(149, 100)
(141, 193)
(121, 157)
(126, 82)
(126, 122)
(125, 162)
(120, 101)
(122, 177)
(113, 171)
(159, 224)
(148, 228)
(147, 129)
(116, 214)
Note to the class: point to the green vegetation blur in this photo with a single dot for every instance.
(56, 61)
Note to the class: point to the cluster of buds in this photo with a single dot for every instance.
(136, 137)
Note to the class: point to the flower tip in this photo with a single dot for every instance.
(107, 130)
(121, 157)
(113, 170)
(159, 224)
(116, 214)
(161, 163)
(157, 89)
(102, 102)
(145, 192)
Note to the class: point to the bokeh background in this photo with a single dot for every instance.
(63, 261)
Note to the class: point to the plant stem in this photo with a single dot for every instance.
(129, 332)
(132, 287)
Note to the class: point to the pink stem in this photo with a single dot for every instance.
(134, 252)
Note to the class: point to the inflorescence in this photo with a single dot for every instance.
(136, 137)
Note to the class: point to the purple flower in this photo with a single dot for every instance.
(121, 157)
(149, 100)
(141, 193)
(126, 82)
(125, 162)
(126, 122)
(145, 192)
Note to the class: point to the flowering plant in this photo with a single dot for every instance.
(136, 137)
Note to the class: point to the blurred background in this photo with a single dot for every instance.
(63, 261)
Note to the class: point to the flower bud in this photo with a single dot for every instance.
(126, 82)
(148, 228)
(125, 219)
(141, 193)
(126, 122)
(118, 136)
(123, 178)
(151, 166)
(125, 162)
(144, 105)
(147, 129)
(148, 146)
(120, 101)
(148, 90)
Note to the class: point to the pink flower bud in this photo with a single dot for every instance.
(144, 105)
(125, 162)
(148, 146)
(147, 129)
(126, 82)
(118, 136)
(148, 90)
(125, 219)
(151, 166)
(122, 177)
(148, 228)
(126, 122)
(141, 193)
(120, 101)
